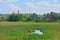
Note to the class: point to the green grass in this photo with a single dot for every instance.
(20, 31)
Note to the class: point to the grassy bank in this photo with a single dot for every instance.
(20, 30)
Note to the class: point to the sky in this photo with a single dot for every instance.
(29, 6)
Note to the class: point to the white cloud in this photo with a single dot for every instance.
(15, 8)
(43, 3)
(8, 1)
(0, 9)
(56, 0)
(43, 6)
(30, 4)
(38, 7)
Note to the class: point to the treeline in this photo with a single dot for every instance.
(31, 17)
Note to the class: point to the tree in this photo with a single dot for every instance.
(58, 16)
(34, 18)
(13, 17)
(19, 17)
(54, 14)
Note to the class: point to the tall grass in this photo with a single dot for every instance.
(19, 31)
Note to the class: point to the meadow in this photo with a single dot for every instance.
(22, 30)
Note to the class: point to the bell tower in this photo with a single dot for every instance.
(18, 11)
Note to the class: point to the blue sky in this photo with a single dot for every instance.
(29, 6)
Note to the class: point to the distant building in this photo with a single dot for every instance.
(49, 18)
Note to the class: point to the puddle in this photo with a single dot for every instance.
(37, 32)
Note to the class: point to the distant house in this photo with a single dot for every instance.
(49, 18)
